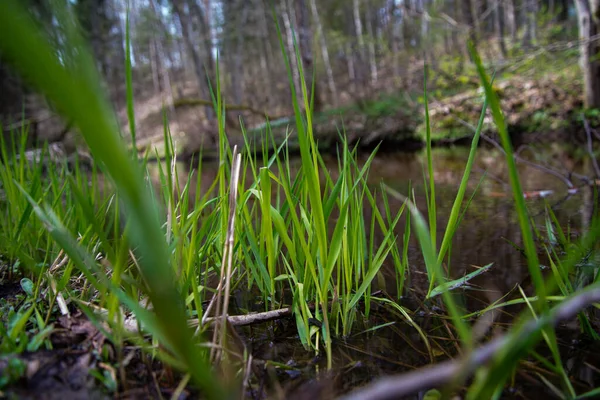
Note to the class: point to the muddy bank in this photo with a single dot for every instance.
(548, 108)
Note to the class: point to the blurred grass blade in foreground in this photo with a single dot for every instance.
(67, 76)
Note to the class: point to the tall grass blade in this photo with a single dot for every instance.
(70, 81)
(454, 212)
(431, 208)
(521, 208)
(129, 83)
(433, 268)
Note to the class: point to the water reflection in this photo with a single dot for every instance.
(490, 227)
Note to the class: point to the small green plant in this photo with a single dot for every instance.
(14, 371)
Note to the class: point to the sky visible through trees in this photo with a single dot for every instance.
(357, 49)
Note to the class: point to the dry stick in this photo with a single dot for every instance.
(130, 323)
(248, 369)
(227, 260)
(216, 298)
(170, 210)
(205, 316)
(437, 375)
(563, 170)
(248, 319)
(235, 177)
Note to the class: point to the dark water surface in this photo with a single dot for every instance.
(485, 235)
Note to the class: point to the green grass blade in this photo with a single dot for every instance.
(521, 208)
(69, 79)
(433, 268)
(454, 213)
(456, 283)
(431, 208)
(129, 83)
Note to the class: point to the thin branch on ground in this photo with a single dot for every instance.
(250, 319)
(130, 323)
(438, 375)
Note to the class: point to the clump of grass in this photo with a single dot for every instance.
(305, 233)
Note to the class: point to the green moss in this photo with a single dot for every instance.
(383, 106)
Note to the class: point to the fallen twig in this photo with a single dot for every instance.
(130, 323)
(395, 387)
(249, 319)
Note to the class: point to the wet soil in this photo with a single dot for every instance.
(78, 362)
(80, 350)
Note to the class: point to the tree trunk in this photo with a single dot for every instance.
(371, 45)
(267, 57)
(563, 16)
(358, 24)
(469, 20)
(425, 45)
(397, 41)
(530, 35)
(120, 97)
(475, 16)
(162, 55)
(178, 8)
(511, 19)
(359, 66)
(154, 66)
(324, 53)
(351, 67)
(206, 39)
(589, 51)
(306, 56)
(238, 57)
(499, 27)
(287, 23)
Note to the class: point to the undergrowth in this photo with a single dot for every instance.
(108, 243)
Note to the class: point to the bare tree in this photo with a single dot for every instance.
(587, 10)
(160, 38)
(511, 19)
(179, 9)
(286, 14)
(469, 20)
(499, 27)
(306, 56)
(371, 44)
(530, 34)
(324, 53)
